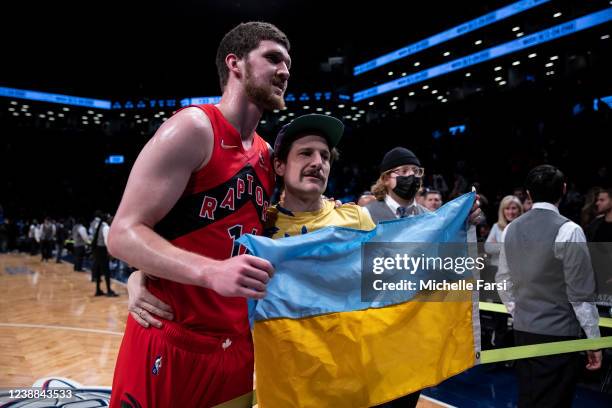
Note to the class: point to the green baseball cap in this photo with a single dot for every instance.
(327, 126)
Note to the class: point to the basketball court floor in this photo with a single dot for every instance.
(52, 328)
(51, 325)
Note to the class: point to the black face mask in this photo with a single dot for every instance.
(407, 186)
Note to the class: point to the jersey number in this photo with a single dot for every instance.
(235, 232)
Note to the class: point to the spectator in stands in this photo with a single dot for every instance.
(94, 223)
(527, 204)
(395, 191)
(61, 234)
(397, 186)
(509, 209)
(482, 231)
(589, 211)
(100, 255)
(433, 200)
(34, 236)
(47, 238)
(600, 229)
(81, 239)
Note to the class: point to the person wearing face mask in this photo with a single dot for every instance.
(395, 191)
(396, 188)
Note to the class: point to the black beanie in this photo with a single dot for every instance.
(396, 157)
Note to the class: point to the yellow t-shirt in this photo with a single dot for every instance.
(285, 223)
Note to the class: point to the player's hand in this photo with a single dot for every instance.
(143, 305)
(337, 203)
(593, 360)
(475, 213)
(244, 276)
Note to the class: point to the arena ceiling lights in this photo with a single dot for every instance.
(457, 31)
(54, 98)
(546, 35)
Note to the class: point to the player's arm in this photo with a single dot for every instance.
(181, 146)
(571, 248)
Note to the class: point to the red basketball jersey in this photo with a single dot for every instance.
(225, 199)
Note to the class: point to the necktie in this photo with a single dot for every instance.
(403, 212)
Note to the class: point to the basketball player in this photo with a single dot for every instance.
(203, 180)
(304, 153)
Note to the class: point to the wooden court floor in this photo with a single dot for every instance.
(51, 325)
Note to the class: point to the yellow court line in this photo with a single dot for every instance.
(544, 349)
(500, 308)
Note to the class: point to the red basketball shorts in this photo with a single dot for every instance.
(175, 367)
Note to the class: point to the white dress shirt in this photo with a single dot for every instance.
(586, 312)
(83, 233)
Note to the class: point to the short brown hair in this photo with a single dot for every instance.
(607, 191)
(428, 192)
(243, 39)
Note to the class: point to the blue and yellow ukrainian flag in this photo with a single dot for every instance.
(317, 344)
